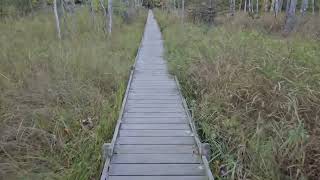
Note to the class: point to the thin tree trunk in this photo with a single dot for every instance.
(304, 7)
(287, 6)
(105, 14)
(110, 15)
(257, 6)
(240, 5)
(245, 5)
(55, 9)
(182, 11)
(312, 2)
(92, 13)
(276, 8)
(291, 17)
(266, 5)
(280, 5)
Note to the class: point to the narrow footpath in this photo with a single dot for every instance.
(155, 138)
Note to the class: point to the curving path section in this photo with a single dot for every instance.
(154, 139)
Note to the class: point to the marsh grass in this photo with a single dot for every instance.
(59, 100)
(255, 96)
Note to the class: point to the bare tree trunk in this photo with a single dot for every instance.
(266, 5)
(272, 5)
(257, 6)
(291, 16)
(182, 11)
(304, 7)
(313, 4)
(287, 6)
(105, 14)
(240, 5)
(232, 7)
(280, 5)
(92, 13)
(245, 5)
(55, 9)
(276, 8)
(110, 15)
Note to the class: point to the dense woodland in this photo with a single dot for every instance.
(249, 70)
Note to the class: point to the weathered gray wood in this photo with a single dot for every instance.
(155, 149)
(158, 178)
(156, 140)
(155, 133)
(155, 126)
(157, 169)
(154, 110)
(155, 97)
(155, 159)
(130, 120)
(154, 105)
(156, 114)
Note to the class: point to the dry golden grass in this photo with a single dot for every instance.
(255, 94)
(59, 99)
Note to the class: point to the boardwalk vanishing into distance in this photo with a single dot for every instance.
(155, 138)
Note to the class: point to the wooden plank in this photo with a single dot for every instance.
(154, 110)
(156, 101)
(154, 120)
(156, 140)
(142, 97)
(156, 114)
(155, 126)
(156, 169)
(131, 105)
(157, 178)
(154, 149)
(155, 133)
(156, 159)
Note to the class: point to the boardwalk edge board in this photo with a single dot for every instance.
(203, 152)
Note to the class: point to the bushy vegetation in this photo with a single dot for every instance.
(255, 95)
(59, 100)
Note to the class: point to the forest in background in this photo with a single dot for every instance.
(60, 94)
(252, 82)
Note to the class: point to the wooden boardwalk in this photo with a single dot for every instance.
(154, 138)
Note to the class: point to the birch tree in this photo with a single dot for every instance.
(105, 14)
(110, 15)
(92, 12)
(266, 5)
(291, 16)
(232, 7)
(182, 9)
(304, 7)
(56, 15)
(312, 4)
